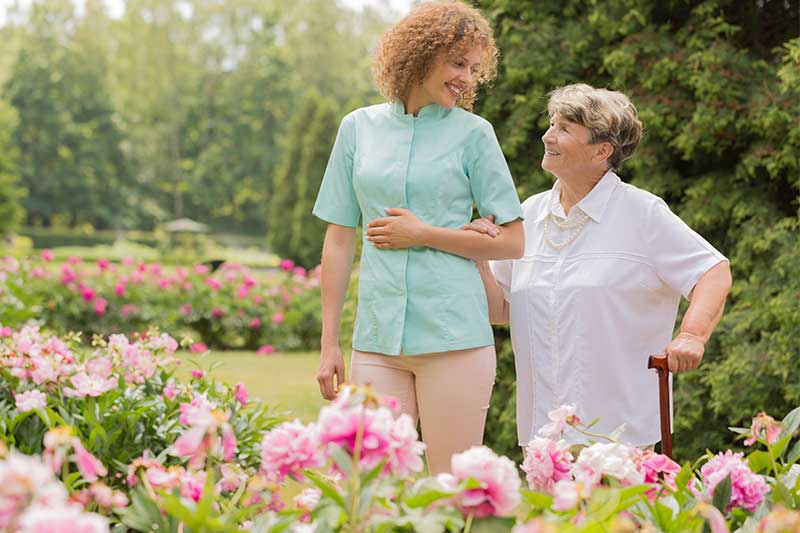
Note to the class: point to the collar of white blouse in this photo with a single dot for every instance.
(592, 205)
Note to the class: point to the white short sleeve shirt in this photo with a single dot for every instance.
(585, 318)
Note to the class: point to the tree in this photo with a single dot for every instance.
(722, 110)
(69, 144)
(11, 211)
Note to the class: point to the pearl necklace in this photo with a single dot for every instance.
(576, 226)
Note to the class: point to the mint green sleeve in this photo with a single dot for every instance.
(337, 202)
(493, 189)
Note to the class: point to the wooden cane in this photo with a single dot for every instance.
(660, 363)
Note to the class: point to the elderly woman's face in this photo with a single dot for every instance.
(450, 76)
(567, 151)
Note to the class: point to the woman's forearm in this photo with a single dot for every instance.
(498, 306)
(707, 302)
(338, 251)
(509, 244)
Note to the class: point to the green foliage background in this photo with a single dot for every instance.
(716, 85)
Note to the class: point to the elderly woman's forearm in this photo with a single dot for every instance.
(708, 301)
(510, 244)
(338, 251)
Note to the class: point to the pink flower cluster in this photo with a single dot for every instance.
(289, 449)
(747, 488)
(209, 433)
(59, 442)
(32, 500)
(766, 427)
(546, 462)
(382, 436)
(498, 488)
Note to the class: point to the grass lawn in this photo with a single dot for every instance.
(286, 381)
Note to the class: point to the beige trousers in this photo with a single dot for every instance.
(448, 392)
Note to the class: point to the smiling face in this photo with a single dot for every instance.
(568, 151)
(450, 76)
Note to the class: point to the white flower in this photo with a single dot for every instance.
(32, 399)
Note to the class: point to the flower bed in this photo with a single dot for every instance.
(233, 307)
(108, 437)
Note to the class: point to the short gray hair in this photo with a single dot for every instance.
(609, 116)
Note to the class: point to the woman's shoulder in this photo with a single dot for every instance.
(533, 205)
(473, 121)
(640, 199)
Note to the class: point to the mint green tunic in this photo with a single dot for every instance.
(419, 300)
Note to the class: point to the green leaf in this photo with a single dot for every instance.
(328, 489)
(722, 494)
(494, 524)
(537, 500)
(790, 423)
(342, 460)
(759, 461)
(794, 454)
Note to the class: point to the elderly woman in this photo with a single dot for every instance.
(422, 330)
(598, 288)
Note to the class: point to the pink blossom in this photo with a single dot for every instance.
(214, 283)
(278, 318)
(62, 519)
(608, 459)
(88, 293)
(232, 478)
(103, 263)
(193, 443)
(199, 347)
(242, 292)
(255, 323)
(100, 366)
(197, 411)
(286, 265)
(257, 298)
(655, 465)
(100, 305)
(288, 449)
(217, 312)
(241, 394)
(47, 254)
(201, 269)
(186, 309)
(192, 485)
(127, 310)
(715, 519)
(546, 462)
(405, 454)
(497, 475)
(559, 419)
(747, 487)
(228, 442)
(30, 400)
(38, 272)
(90, 385)
(565, 495)
(128, 261)
(119, 289)
(105, 496)
(88, 465)
(266, 349)
(73, 260)
(5, 331)
(249, 281)
(299, 271)
(764, 426)
(67, 274)
(197, 373)
(170, 390)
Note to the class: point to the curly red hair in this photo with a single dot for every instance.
(409, 49)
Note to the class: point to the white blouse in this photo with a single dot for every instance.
(585, 317)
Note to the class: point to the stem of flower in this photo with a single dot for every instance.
(772, 459)
(468, 525)
(356, 475)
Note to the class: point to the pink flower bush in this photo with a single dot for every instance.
(498, 493)
(24, 481)
(266, 349)
(546, 462)
(657, 466)
(30, 400)
(240, 394)
(289, 449)
(747, 488)
(199, 347)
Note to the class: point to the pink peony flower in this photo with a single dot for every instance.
(240, 393)
(266, 349)
(192, 485)
(278, 318)
(197, 411)
(201, 269)
(612, 459)
(67, 275)
(780, 520)
(73, 260)
(170, 390)
(655, 465)
(559, 419)
(214, 284)
(764, 426)
(242, 292)
(88, 465)
(103, 263)
(193, 443)
(119, 289)
(30, 400)
(405, 453)
(90, 385)
(747, 487)
(88, 293)
(100, 305)
(105, 496)
(197, 373)
(62, 519)
(217, 312)
(546, 462)
(39, 272)
(47, 254)
(299, 271)
(199, 347)
(565, 495)
(128, 261)
(288, 449)
(500, 485)
(255, 323)
(286, 265)
(5, 331)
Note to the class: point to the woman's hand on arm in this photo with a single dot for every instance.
(338, 252)
(403, 229)
(705, 310)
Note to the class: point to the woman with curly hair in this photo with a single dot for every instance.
(411, 170)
